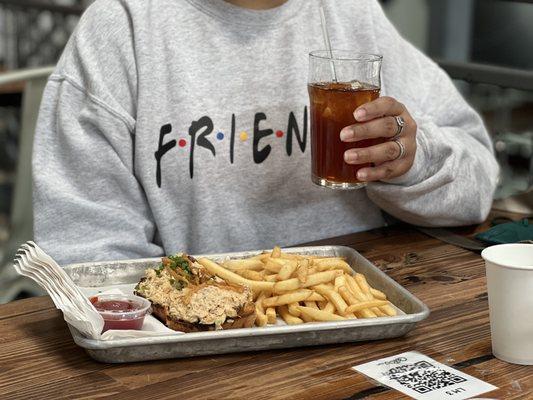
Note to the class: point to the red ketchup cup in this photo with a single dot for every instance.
(121, 311)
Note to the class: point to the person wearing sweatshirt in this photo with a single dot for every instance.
(184, 125)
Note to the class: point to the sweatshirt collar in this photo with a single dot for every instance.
(230, 13)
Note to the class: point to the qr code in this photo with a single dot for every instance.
(423, 377)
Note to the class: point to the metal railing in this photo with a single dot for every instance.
(25, 75)
(21, 215)
(489, 74)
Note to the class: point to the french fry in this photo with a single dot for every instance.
(311, 304)
(389, 310)
(339, 281)
(245, 264)
(366, 313)
(287, 270)
(315, 297)
(276, 252)
(320, 315)
(378, 294)
(305, 317)
(350, 299)
(382, 311)
(312, 280)
(329, 307)
(359, 297)
(262, 295)
(347, 295)
(302, 270)
(250, 274)
(363, 285)
(273, 265)
(261, 257)
(354, 288)
(288, 317)
(333, 263)
(271, 315)
(232, 277)
(293, 309)
(378, 311)
(292, 297)
(261, 319)
(301, 288)
(365, 305)
(332, 296)
(288, 285)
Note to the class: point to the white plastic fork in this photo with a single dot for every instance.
(45, 261)
(68, 297)
(22, 270)
(35, 264)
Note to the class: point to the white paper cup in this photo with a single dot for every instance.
(510, 289)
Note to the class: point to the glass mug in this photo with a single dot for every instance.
(337, 86)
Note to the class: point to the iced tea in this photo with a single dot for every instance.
(332, 108)
(339, 82)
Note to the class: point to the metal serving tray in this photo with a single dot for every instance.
(105, 274)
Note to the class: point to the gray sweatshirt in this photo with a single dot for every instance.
(183, 125)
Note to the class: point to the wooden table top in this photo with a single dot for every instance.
(39, 360)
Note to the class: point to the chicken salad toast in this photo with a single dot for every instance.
(186, 297)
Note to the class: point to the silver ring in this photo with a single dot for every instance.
(401, 124)
(402, 149)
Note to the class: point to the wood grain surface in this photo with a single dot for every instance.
(38, 359)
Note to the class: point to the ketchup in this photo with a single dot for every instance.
(113, 313)
(133, 323)
(114, 305)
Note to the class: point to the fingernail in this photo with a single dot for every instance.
(362, 175)
(360, 113)
(350, 158)
(346, 134)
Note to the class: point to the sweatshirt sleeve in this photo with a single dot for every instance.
(88, 203)
(455, 173)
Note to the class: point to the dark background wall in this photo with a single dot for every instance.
(503, 33)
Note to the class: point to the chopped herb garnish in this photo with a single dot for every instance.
(179, 262)
(179, 270)
(159, 269)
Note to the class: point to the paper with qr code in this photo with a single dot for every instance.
(421, 377)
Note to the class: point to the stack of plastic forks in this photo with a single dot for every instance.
(32, 262)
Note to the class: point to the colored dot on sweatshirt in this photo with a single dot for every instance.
(279, 134)
(182, 143)
(220, 135)
(243, 136)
